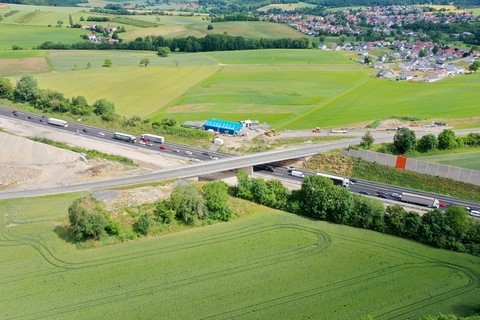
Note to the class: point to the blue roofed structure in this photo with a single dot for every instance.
(223, 126)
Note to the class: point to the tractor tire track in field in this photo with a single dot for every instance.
(323, 241)
(398, 313)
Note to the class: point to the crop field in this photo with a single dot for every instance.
(179, 27)
(28, 36)
(268, 264)
(289, 89)
(134, 90)
(468, 160)
(286, 6)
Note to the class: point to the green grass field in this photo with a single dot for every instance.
(268, 264)
(468, 160)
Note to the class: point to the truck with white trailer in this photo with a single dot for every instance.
(152, 137)
(420, 200)
(57, 122)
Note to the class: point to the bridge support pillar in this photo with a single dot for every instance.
(247, 170)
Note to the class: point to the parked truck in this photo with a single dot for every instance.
(57, 122)
(420, 200)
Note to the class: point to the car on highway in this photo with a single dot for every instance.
(188, 152)
(269, 169)
(143, 143)
(290, 169)
(149, 144)
(442, 204)
(84, 130)
(162, 147)
(396, 195)
(101, 134)
(383, 195)
(213, 158)
(353, 181)
(364, 192)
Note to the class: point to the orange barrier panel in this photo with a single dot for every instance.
(401, 162)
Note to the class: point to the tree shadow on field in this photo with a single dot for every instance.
(64, 233)
(466, 310)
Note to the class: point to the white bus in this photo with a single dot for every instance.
(124, 137)
(153, 138)
(338, 181)
(57, 122)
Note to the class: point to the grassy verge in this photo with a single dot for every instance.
(88, 153)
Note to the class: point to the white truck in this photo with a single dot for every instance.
(57, 122)
(153, 138)
(421, 200)
(297, 174)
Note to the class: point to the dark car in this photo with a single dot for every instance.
(269, 168)
(382, 194)
(84, 130)
(364, 192)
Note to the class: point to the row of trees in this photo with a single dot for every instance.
(211, 42)
(405, 141)
(26, 90)
(319, 198)
(187, 204)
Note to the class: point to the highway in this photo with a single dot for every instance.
(208, 162)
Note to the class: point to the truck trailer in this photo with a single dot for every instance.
(153, 138)
(58, 122)
(420, 200)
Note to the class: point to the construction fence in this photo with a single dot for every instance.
(433, 169)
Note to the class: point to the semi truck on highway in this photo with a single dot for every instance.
(153, 138)
(421, 200)
(338, 181)
(58, 122)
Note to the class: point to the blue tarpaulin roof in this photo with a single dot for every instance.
(222, 125)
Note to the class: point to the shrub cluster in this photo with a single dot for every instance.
(318, 198)
(187, 205)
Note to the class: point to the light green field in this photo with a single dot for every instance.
(170, 28)
(468, 160)
(291, 89)
(268, 265)
(286, 6)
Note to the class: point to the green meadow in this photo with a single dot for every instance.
(463, 159)
(266, 265)
(289, 89)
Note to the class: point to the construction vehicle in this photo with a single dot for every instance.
(271, 133)
(316, 130)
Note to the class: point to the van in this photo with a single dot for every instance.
(297, 174)
(475, 213)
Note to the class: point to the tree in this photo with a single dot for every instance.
(367, 140)
(367, 214)
(209, 27)
(404, 140)
(143, 224)
(79, 106)
(70, 20)
(59, 23)
(188, 203)
(427, 143)
(164, 51)
(89, 65)
(26, 89)
(447, 140)
(474, 66)
(216, 197)
(316, 196)
(144, 62)
(103, 107)
(164, 213)
(243, 189)
(86, 219)
(107, 63)
(6, 88)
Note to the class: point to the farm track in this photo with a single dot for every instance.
(322, 242)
